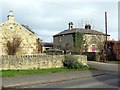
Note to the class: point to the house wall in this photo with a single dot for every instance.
(90, 41)
(94, 40)
(64, 42)
(67, 42)
(28, 44)
(56, 41)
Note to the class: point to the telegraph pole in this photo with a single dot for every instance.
(106, 25)
(106, 34)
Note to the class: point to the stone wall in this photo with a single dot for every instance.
(9, 62)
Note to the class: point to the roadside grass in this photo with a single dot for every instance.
(9, 73)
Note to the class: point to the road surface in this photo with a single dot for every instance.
(104, 66)
(102, 81)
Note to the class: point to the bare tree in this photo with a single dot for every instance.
(13, 45)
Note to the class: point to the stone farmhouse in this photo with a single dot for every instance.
(14, 35)
(91, 39)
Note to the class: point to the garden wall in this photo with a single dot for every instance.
(13, 62)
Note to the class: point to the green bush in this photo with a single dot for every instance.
(71, 62)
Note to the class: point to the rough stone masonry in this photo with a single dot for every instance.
(26, 62)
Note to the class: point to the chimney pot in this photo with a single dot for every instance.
(87, 26)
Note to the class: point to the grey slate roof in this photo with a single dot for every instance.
(25, 26)
(46, 44)
(82, 30)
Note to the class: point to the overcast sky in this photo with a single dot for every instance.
(49, 17)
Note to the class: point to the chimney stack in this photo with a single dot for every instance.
(70, 25)
(10, 16)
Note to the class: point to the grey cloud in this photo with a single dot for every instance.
(54, 17)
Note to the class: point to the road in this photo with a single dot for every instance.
(104, 66)
(102, 81)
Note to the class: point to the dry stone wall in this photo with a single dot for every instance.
(26, 62)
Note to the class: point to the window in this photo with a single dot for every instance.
(93, 40)
(11, 26)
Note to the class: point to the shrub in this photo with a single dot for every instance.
(71, 62)
(13, 46)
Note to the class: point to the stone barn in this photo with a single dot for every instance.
(17, 39)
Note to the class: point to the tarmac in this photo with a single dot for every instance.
(22, 81)
(104, 66)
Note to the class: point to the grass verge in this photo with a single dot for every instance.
(9, 73)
